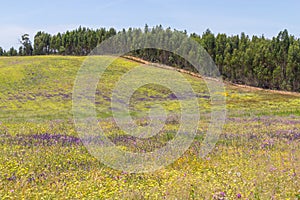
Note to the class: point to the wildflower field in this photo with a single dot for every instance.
(256, 157)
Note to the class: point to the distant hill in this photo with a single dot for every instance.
(269, 63)
(41, 87)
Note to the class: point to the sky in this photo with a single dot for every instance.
(254, 17)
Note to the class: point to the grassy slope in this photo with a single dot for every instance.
(257, 155)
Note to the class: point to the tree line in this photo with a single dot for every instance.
(256, 61)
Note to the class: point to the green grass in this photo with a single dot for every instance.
(257, 155)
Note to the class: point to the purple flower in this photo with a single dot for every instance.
(273, 169)
(239, 196)
(219, 196)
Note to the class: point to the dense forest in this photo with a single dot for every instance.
(256, 61)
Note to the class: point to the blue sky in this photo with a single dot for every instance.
(226, 16)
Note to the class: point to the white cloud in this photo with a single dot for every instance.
(10, 35)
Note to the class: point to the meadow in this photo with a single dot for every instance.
(256, 157)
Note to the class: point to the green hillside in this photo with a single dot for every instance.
(257, 155)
